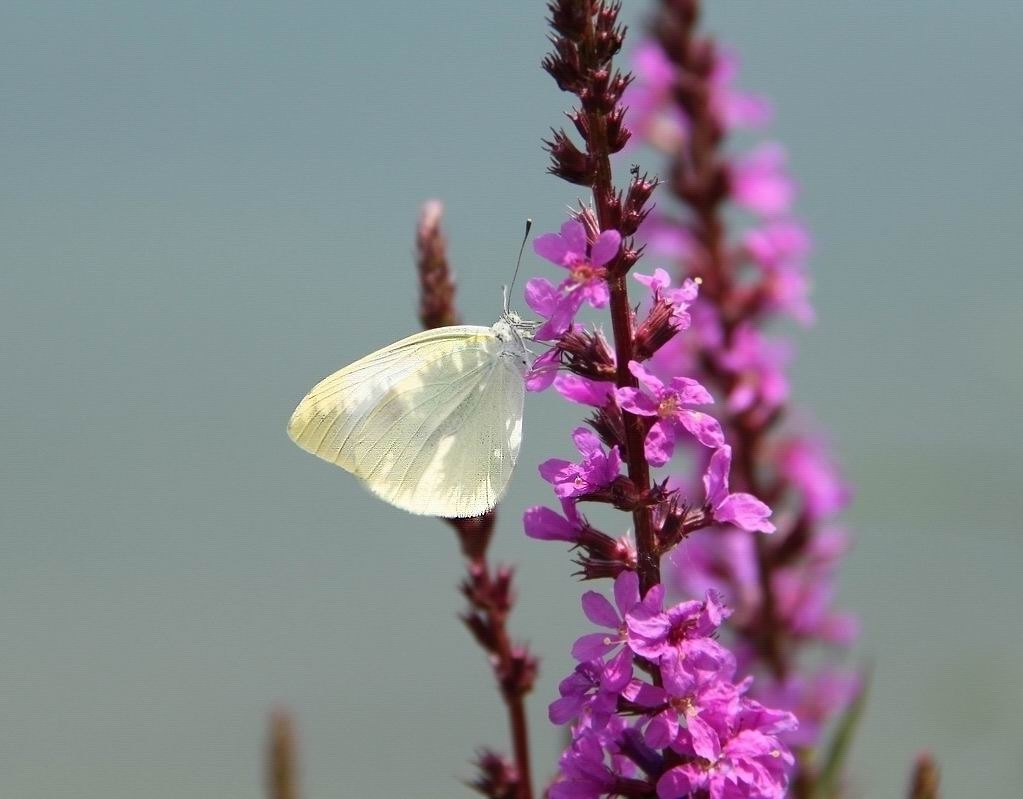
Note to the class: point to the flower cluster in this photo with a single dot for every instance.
(665, 409)
(697, 730)
(655, 703)
(684, 102)
(694, 727)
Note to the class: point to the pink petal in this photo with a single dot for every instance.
(546, 525)
(574, 233)
(600, 611)
(626, 592)
(598, 294)
(652, 65)
(646, 379)
(605, 247)
(706, 743)
(541, 295)
(592, 646)
(586, 441)
(552, 247)
(706, 428)
(715, 480)
(659, 445)
(583, 390)
(563, 710)
(617, 671)
(656, 282)
(544, 371)
(551, 470)
(681, 781)
(635, 401)
(690, 392)
(745, 511)
(659, 733)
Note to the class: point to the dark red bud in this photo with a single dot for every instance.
(568, 162)
(659, 327)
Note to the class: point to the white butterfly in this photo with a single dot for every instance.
(432, 423)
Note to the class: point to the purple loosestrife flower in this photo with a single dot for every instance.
(760, 183)
(583, 391)
(602, 613)
(678, 298)
(759, 366)
(748, 763)
(544, 371)
(665, 403)
(814, 699)
(586, 281)
(603, 556)
(649, 116)
(779, 248)
(596, 471)
(654, 119)
(726, 741)
(807, 463)
(593, 766)
(547, 525)
(591, 691)
(680, 640)
(734, 107)
(741, 509)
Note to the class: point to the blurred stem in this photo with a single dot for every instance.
(281, 765)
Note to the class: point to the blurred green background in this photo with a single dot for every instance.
(207, 206)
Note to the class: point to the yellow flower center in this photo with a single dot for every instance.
(582, 272)
(667, 407)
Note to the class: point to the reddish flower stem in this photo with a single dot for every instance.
(487, 596)
(489, 593)
(599, 105)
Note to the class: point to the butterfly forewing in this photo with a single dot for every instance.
(431, 424)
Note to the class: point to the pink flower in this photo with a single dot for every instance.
(680, 639)
(582, 390)
(585, 689)
(665, 237)
(742, 510)
(760, 183)
(778, 243)
(759, 364)
(600, 611)
(544, 371)
(666, 403)
(810, 467)
(735, 109)
(679, 297)
(586, 281)
(650, 115)
(597, 469)
(780, 249)
(814, 699)
(749, 763)
(547, 525)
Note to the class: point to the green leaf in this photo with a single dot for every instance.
(829, 780)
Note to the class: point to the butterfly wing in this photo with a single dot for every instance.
(431, 424)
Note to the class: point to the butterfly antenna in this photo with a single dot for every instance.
(518, 263)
